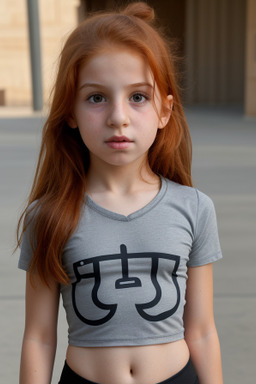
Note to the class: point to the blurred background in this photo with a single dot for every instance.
(216, 42)
(215, 38)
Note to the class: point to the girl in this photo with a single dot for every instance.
(113, 223)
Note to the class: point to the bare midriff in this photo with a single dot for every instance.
(149, 364)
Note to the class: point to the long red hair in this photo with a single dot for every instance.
(60, 181)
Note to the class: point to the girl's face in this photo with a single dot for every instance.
(116, 109)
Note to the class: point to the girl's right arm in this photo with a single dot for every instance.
(40, 335)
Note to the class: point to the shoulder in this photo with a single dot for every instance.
(31, 212)
(190, 196)
(196, 208)
(28, 240)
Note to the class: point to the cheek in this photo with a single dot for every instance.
(151, 137)
(150, 123)
(152, 118)
(89, 124)
(148, 137)
(85, 118)
(89, 138)
(88, 133)
(87, 128)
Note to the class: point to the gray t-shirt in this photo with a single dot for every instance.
(128, 273)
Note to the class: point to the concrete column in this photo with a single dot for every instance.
(202, 50)
(211, 53)
(250, 74)
(35, 54)
(190, 52)
(236, 51)
(222, 59)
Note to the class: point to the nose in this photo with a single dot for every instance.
(118, 115)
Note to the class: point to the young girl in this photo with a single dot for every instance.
(113, 223)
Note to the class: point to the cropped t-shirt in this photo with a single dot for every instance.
(128, 273)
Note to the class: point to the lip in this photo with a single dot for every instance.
(118, 139)
(118, 142)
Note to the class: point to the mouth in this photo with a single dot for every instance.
(118, 139)
(119, 142)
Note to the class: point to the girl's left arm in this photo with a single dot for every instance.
(200, 331)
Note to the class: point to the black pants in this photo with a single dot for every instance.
(186, 376)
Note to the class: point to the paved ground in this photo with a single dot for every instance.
(224, 167)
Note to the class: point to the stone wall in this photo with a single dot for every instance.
(57, 19)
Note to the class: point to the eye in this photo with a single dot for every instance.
(139, 97)
(96, 99)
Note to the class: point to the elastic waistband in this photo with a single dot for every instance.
(69, 376)
(186, 375)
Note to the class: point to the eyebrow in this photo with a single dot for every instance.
(133, 85)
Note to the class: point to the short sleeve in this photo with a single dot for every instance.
(28, 242)
(25, 252)
(206, 245)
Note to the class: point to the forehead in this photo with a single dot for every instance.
(116, 64)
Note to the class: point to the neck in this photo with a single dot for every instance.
(119, 179)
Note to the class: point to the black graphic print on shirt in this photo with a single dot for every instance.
(94, 311)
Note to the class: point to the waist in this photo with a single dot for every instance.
(128, 365)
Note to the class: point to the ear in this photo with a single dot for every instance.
(72, 122)
(166, 112)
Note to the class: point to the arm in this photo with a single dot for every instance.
(40, 335)
(200, 331)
